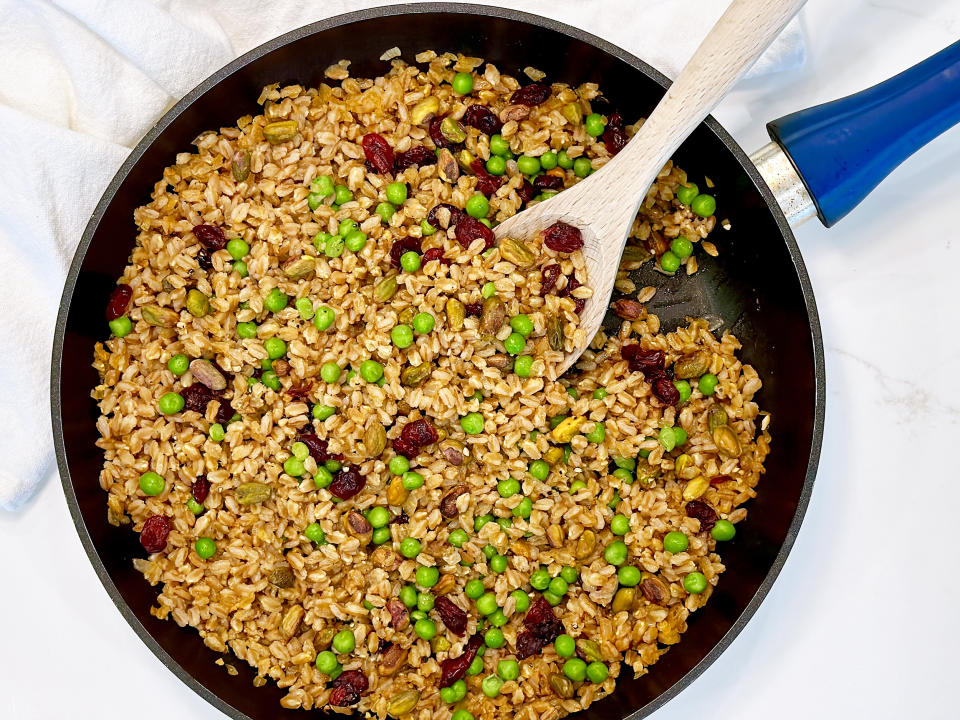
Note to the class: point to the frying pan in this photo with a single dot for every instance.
(757, 287)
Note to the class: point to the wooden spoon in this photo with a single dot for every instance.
(604, 205)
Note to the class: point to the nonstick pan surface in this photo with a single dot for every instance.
(757, 287)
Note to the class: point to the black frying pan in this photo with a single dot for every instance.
(757, 287)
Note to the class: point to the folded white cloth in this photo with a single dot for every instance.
(82, 80)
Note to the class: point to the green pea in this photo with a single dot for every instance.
(508, 669)
(624, 475)
(333, 465)
(271, 380)
(342, 195)
(704, 205)
(539, 469)
(474, 589)
(276, 300)
(238, 248)
(385, 210)
(427, 576)
(300, 450)
(322, 478)
(629, 576)
(397, 193)
(577, 486)
(266, 364)
(217, 433)
(121, 326)
(152, 483)
(564, 160)
(594, 124)
(524, 509)
(293, 466)
(326, 662)
(462, 714)
(496, 165)
(620, 525)
(344, 642)
(425, 601)
(497, 618)
(508, 488)
(418, 614)
(540, 579)
(499, 146)
(381, 536)
(582, 167)
(457, 537)
(322, 412)
(247, 330)
(695, 583)
(487, 605)
(411, 480)
(410, 547)
(472, 423)
(667, 438)
(675, 542)
(669, 262)
(575, 669)
(552, 598)
(170, 403)
(355, 240)
(488, 290)
(320, 239)
(205, 547)
(521, 599)
(408, 596)
(569, 574)
(615, 553)
(515, 343)
(548, 161)
(498, 563)
(680, 435)
(378, 516)
(523, 365)
(314, 200)
(558, 586)
(448, 695)
(476, 667)
(686, 193)
(681, 247)
(480, 521)
(491, 685)
(423, 323)
(371, 370)
(477, 206)
(305, 308)
(334, 246)
(683, 387)
(597, 672)
(322, 185)
(402, 336)
(707, 384)
(241, 267)
(178, 364)
(426, 229)
(275, 347)
(194, 507)
(324, 318)
(486, 221)
(410, 261)
(462, 83)
(598, 433)
(723, 530)
(315, 533)
(330, 372)
(489, 551)
(573, 392)
(522, 325)
(528, 165)
(493, 638)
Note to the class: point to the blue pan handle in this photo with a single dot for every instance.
(843, 149)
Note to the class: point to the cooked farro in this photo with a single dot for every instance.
(514, 476)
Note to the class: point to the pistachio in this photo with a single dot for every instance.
(324, 637)
(555, 536)
(627, 309)
(695, 488)
(206, 373)
(573, 112)
(726, 439)
(282, 577)
(456, 312)
(158, 316)
(514, 112)
(385, 289)
(465, 160)
(281, 367)
(396, 492)
(386, 558)
(452, 131)
(448, 505)
(634, 255)
(406, 316)
(167, 283)
(716, 416)
(240, 165)
(564, 432)
(501, 362)
(555, 332)
(413, 376)
(553, 455)
(280, 131)
(646, 476)
(358, 526)
(399, 616)
(691, 366)
(426, 108)
(439, 644)
(623, 599)
(392, 660)
(252, 493)
(452, 450)
(589, 650)
(299, 268)
(655, 590)
(682, 463)
(586, 544)
(517, 252)
(447, 166)
(375, 439)
(198, 304)
(561, 685)
(492, 316)
(447, 583)
(291, 621)
(403, 702)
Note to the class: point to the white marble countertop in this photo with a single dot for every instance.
(862, 621)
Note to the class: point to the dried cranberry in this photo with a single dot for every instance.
(702, 512)
(204, 260)
(197, 397)
(526, 192)
(615, 120)
(473, 309)
(433, 217)
(486, 183)
(153, 537)
(403, 245)
(666, 391)
(649, 362)
(420, 155)
(541, 621)
(531, 95)
(420, 432)
(483, 119)
(436, 254)
(347, 483)
(301, 391)
(561, 237)
(211, 237)
(572, 284)
(528, 645)
(578, 305)
(469, 229)
(318, 447)
(453, 669)
(200, 489)
(378, 151)
(452, 616)
(548, 182)
(614, 139)
(438, 139)
(401, 519)
(118, 302)
(405, 448)
(348, 687)
(548, 278)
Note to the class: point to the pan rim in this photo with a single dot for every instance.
(414, 9)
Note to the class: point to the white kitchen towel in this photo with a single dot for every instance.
(82, 80)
